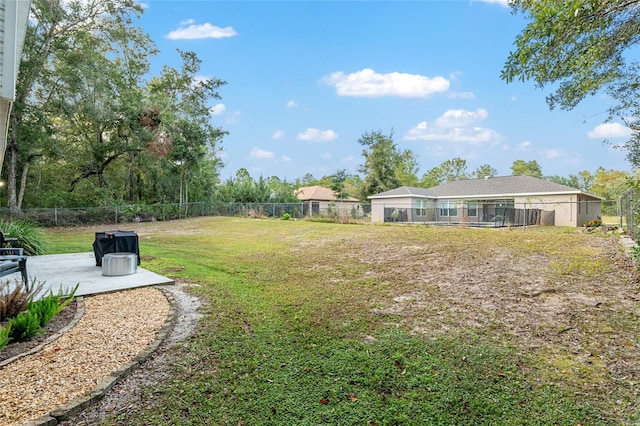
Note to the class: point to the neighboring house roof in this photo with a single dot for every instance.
(502, 186)
(319, 193)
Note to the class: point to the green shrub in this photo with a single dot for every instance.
(286, 216)
(14, 298)
(4, 336)
(50, 306)
(45, 309)
(24, 326)
(29, 236)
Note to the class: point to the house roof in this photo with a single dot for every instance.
(502, 186)
(319, 193)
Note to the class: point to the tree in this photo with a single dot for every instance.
(580, 48)
(484, 171)
(610, 184)
(61, 34)
(381, 160)
(527, 168)
(338, 181)
(454, 169)
(407, 169)
(185, 132)
(448, 171)
(571, 181)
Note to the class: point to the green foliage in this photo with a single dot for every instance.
(338, 180)
(580, 48)
(44, 309)
(286, 216)
(24, 326)
(381, 160)
(125, 138)
(5, 332)
(244, 189)
(635, 254)
(484, 171)
(30, 237)
(448, 171)
(526, 168)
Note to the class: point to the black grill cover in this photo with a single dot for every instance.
(115, 242)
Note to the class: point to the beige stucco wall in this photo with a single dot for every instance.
(378, 205)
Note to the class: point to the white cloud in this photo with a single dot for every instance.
(285, 159)
(609, 130)
(217, 109)
(552, 153)
(368, 83)
(462, 95)
(190, 31)
(525, 146)
(260, 153)
(326, 155)
(455, 125)
(503, 3)
(317, 135)
(461, 118)
(292, 104)
(278, 134)
(560, 155)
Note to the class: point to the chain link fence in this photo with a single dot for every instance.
(499, 214)
(628, 212)
(163, 212)
(619, 213)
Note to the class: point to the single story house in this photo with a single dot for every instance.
(320, 201)
(493, 201)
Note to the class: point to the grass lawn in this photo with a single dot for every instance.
(327, 324)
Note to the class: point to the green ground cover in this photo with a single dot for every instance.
(317, 323)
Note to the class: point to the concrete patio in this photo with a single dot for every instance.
(67, 270)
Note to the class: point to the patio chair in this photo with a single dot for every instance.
(12, 260)
(6, 241)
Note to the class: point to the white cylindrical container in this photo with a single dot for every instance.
(114, 264)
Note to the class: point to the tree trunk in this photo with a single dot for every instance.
(12, 167)
(23, 184)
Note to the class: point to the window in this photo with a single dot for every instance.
(448, 209)
(421, 209)
(472, 208)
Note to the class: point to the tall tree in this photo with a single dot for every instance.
(611, 184)
(454, 169)
(381, 160)
(338, 182)
(448, 171)
(527, 168)
(56, 35)
(188, 138)
(580, 48)
(484, 171)
(407, 168)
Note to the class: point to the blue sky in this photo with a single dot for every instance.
(305, 79)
